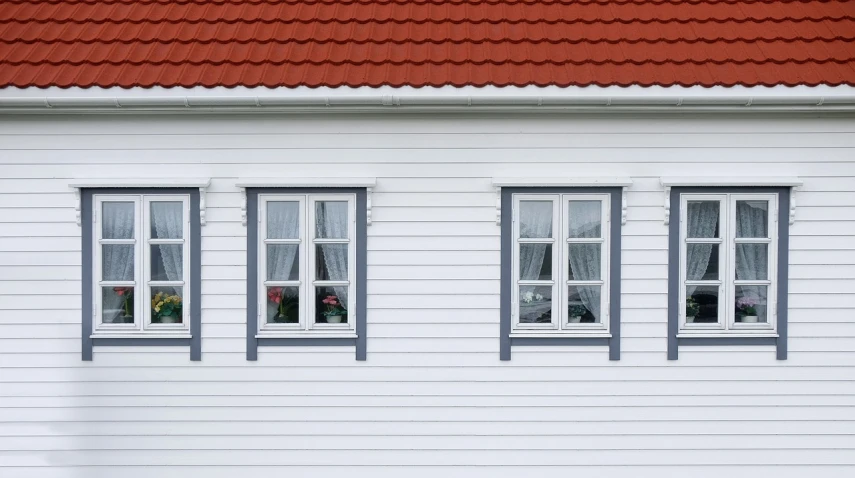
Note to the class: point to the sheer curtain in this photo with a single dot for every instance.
(283, 221)
(535, 222)
(331, 220)
(118, 260)
(585, 259)
(751, 259)
(166, 218)
(702, 221)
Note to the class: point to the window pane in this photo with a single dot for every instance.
(167, 262)
(535, 304)
(331, 305)
(702, 261)
(283, 262)
(702, 304)
(117, 221)
(584, 261)
(283, 305)
(752, 218)
(751, 262)
(117, 262)
(331, 261)
(535, 219)
(585, 218)
(703, 219)
(167, 220)
(283, 220)
(535, 261)
(167, 305)
(751, 304)
(331, 219)
(117, 305)
(584, 304)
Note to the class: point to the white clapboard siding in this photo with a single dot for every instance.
(432, 399)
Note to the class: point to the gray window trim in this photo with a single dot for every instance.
(506, 342)
(253, 342)
(782, 280)
(195, 340)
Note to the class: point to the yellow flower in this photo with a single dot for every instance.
(157, 309)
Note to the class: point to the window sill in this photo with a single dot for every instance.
(563, 335)
(729, 335)
(304, 335)
(139, 335)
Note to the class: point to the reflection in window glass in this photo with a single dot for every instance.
(584, 304)
(585, 219)
(535, 304)
(535, 219)
(702, 304)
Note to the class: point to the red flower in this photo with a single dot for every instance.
(120, 291)
(274, 294)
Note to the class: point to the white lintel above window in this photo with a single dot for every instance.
(791, 182)
(201, 183)
(367, 183)
(562, 182)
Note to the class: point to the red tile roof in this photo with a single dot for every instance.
(332, 43)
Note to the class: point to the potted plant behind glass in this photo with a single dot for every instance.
(747, 306)
(166, 309)
(286, 306)
(127, 295)
(692, 309)
(575, 313)
(334, 311)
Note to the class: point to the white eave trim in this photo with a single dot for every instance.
(200, 183)
(443, 99)
(577, 182)
(791, 182)
(367, 183)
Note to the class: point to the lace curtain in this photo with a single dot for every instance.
(117, 259)
(283, 222)
(702, 222)
(751, 259)
(585, 259)
(331, 218)
(167, 221)
(535, 222)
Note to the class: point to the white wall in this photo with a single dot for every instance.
(432, 399)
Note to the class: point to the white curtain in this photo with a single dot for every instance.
(535, 222)
(283, 221)
(331, 220)
(702, 221)
(118, 260)
(585, 259)
(751, 259)
(167, 219)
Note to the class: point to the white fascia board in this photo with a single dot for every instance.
(562, 182)
(306, 182)
(489, 98)
(729, 181)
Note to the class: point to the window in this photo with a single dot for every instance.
(306, 263)
(561, 263)
(141, 262)
(728, 259)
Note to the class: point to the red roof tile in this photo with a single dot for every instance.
(425, 42)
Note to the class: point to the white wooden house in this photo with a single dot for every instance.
(605, 273)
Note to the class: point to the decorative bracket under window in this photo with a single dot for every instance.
(201, 183)
(367, 183)
(578, 182)
(791, 182)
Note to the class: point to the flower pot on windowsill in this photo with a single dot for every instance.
(690, 319)
(750, 318)
(334, 319)
(169, 319)
(575, 319)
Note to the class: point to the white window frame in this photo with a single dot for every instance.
(142, 283)
(727, 282)
(306, 282)
(560, 282)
